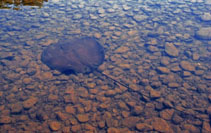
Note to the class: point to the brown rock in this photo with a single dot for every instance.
(171, 50)
(187, 66)
(186, 73)
(206, 128)
(16, 108)
(154, 94)
(122, 49)
(30, 102)
(161, 125)
(70, 109)
(167, 114)
(113, 130)
(191, 128)
(83, 117)
(164, 61)
(5, 119)
(55, 125)
(27, 80)
(144, 127)
(101, 124)
(163, 69)
(173, 85)
(130, 121)
(177, 119)
(62, 116)
(76, 128)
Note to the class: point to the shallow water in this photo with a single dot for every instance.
(160, 49)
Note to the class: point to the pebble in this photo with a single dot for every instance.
(191, 128)
(27, 80)
(101, 11)
(126, 7)
(143, 127)
(55, 125)
(186, 65)
(173, 85)
(97, 35)
(130, 121)
(16, 108)
(70, 109)
(154, 94)
(77, 16)
(206, 17)
(5, 119)
(171, 50)
(167, 114)
(177, 119)
(113, 130)
(161, 125)
(163, 70)
(30, 102)
(139, 18)
(122, 49)
(204, 33)
(101, 124)
(83, 117)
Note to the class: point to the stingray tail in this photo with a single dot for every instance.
(116, 81)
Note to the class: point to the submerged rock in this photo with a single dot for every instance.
(171, 50)
(204, 33)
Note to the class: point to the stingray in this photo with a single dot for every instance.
(79, 55)
(72, 56)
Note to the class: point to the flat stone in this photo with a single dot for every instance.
(55, 125)
(27, 80)
(173, 85)
(204, 33)
(130, 121)
(144, 127)
(167, 114)
(122, 49)
(113, 130)
(16, 108)
(5, 119)
(171, 50)
(140, 18)
(163, 70)
(83, 117)
(206, 17)
(161, 125)
(77, 16)
(191, 128)
(187, 66)
(30, 102)
(154, 94)
(70, 109)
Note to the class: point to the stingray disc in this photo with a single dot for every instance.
(80, 55)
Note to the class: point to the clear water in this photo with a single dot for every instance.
(160, 49)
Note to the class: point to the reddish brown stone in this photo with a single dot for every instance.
(30, 102)
(54, 125)
(144, 127)
(161, 125)
(83, 117)
(187, 66)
